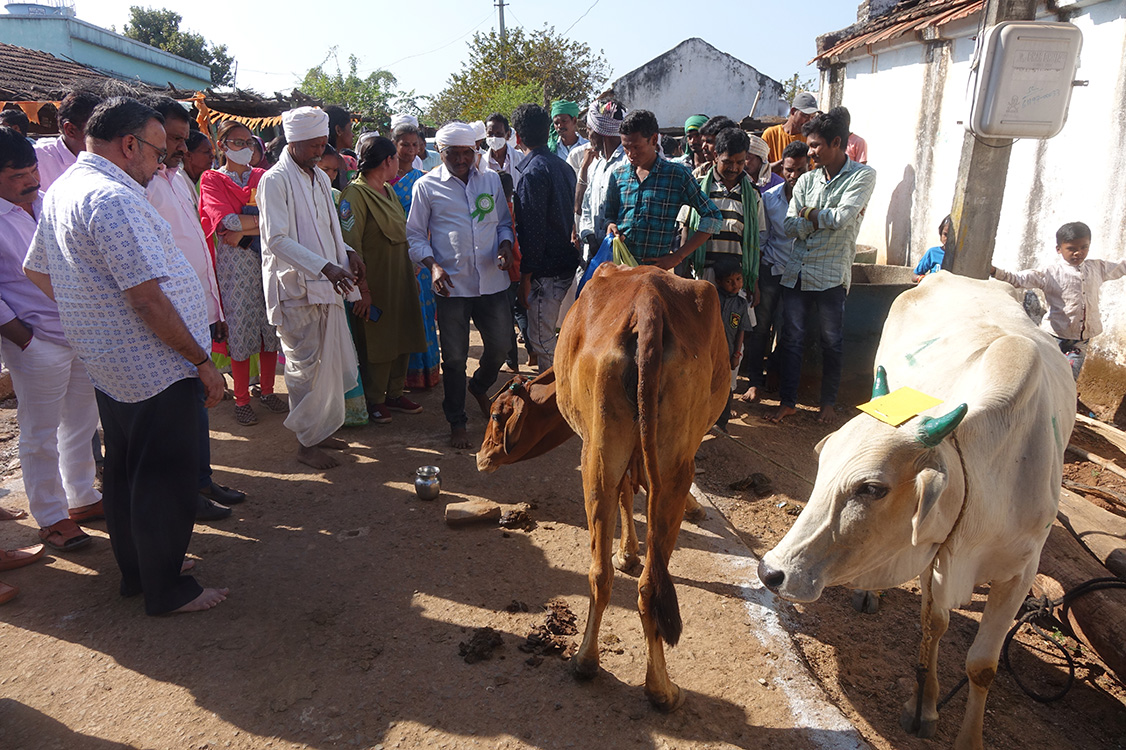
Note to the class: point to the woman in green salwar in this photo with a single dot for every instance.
(374, 225)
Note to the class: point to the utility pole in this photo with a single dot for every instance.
(503, 37)
(984, 165)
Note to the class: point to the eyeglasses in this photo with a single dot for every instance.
(161, 153)
(240, 143)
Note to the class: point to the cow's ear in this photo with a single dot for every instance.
(513, 425)
(821, 444)
(929, 485)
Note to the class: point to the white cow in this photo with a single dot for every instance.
(956, 502)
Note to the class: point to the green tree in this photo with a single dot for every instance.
(370, 97)
(161, 29)
(506, 97)
(794, 85)
(558, 67)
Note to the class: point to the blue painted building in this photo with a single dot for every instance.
(51, 26)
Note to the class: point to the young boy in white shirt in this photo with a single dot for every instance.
(1071, 287)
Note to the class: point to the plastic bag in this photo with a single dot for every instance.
(612, 250)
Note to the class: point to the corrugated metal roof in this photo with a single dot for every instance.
(927, 14)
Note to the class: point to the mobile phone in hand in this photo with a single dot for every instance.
(374, 313)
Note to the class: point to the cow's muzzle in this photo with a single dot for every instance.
(770, 577)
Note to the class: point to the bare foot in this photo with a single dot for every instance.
(332, 443)
(828, 415)
(780, 413)
(459, 438)
(187, 565)
(483, 402)
(751, 396)
(208, 599)
(316, 458)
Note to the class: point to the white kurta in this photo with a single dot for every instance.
(300, 234)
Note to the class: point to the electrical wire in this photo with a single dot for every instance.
(588, 10)
(438, 49)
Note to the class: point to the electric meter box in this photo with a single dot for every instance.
(1022, 85)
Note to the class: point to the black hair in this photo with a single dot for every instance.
(77, 107)
(830, 126)
(796, 150)
(196, 138)
(640, 122)
(15, 119)
(732, 141)
(724, 267)
(406, 129)
(374, 151)
(275, 147)
(506, 185)
(498, 117)
(337, 117)
(1072, 231)
(533, 124)
(118, 117)
(713, 126)
(670, 145)
(947, 222)
(168, 107)
(15, 150)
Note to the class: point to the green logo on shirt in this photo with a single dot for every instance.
(485, 205)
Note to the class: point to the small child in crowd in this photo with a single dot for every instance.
(932, 259)
(737, 317)
(1071, 287)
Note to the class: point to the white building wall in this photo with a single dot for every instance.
(1076, 176)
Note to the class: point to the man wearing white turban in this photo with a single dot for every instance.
(307, 268)
(460, 228)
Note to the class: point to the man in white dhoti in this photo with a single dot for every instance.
(307, 268)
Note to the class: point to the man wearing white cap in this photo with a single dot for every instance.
(461, 229)
(307, 268)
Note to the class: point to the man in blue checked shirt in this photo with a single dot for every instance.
(644, 197)
(823, 218)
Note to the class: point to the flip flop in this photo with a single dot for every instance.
(7, 593)
(12, 514)
(64, 536)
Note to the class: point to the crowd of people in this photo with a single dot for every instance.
(142, 256)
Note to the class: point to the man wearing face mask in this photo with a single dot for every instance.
(501, 156)
(132, 308)
(307, 269)
(172, 196)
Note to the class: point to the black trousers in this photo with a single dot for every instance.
(149, 491)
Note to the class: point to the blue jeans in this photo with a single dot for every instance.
(492, 315)
(520, 315)
(829, 307)
(1076, 352)
(759, 338)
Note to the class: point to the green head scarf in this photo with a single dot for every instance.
(560, 107)
(695, 122)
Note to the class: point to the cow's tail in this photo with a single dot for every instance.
(663, 603)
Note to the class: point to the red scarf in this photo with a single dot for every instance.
(219, 196)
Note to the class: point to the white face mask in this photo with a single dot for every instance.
(495, 142)
(242, 156)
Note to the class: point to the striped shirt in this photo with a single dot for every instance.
(646, 212)
(823, 257)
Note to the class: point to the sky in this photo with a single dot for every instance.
(276, 42)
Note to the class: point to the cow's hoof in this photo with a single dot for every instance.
(695, 515)
(866, 602)
(584, 670)
(630, 564)
(667, 703)
(927, 727)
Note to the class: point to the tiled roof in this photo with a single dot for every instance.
(907, 17)
(27, 74)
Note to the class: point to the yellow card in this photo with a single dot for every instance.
(899, 405)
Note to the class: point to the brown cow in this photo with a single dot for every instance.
(642, 373)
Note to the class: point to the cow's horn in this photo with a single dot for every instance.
(880, 384)
(931, 432)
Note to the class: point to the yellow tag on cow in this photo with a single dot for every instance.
(898, 406)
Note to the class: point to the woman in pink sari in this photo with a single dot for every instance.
(229, 213)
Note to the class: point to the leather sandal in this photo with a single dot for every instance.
(7, 592)
(11, 559)
(64, 536)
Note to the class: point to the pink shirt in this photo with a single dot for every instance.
(19, 297)
(857, 148)
(54, 159)
(172, 196)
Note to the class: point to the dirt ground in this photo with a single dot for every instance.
(350, 599)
